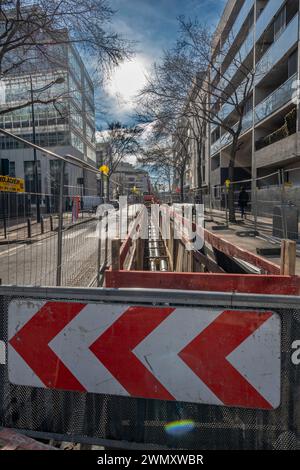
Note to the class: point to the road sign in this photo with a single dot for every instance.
(12, 185)
(192, 354)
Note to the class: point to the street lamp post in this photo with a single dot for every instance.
(35, 160)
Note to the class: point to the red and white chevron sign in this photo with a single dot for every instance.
(192, 354)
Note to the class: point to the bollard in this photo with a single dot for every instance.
(28, 228)
(51, 223)
(42, 225)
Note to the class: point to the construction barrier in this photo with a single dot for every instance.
(144, 368)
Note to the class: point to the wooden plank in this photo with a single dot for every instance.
(211, 265)
(115, 254)
(242, 283)
(139, 252)
(180, 257)
(288, 258)
(230, 249)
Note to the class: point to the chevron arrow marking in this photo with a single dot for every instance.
(193, 354)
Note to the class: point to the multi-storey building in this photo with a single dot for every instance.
(265, 35)
(127, 180)
(68, 127)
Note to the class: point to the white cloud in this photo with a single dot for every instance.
(126, 81)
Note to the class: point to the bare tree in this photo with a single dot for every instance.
(34, 38)
(189, 83)
(159, 150)
(120, 142)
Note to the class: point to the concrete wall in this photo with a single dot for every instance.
(284, 151)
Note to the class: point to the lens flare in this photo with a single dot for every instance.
(178, 428)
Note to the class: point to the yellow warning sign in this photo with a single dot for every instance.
(12, 185)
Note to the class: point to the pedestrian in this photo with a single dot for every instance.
(243, 201)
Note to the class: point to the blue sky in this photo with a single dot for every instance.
(153, 24)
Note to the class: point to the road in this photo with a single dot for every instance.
(35, 263)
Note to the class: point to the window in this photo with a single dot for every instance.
(279, 23)
(12, 169)
(29, 172)
(292, 64)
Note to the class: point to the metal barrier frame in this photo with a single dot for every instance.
(144, 297)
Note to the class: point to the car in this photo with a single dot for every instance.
(114, 203)
(90, 203)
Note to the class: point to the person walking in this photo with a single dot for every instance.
(243, 201)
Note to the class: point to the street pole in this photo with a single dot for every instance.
(36, 186)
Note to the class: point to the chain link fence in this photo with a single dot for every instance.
(269, 204)
(49, 234)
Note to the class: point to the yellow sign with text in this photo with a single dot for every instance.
(12, 185)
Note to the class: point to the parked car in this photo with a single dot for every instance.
(90, 203)
(114, 203)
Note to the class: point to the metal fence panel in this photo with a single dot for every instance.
(78, 415)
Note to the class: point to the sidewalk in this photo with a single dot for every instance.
(241, 234)
(18, 233)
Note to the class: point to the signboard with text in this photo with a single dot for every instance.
(12, 185)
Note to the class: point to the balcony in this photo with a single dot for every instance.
(242, 54)
(220, 143)
(267, 16)
(276, 100)
(227, 138)
(244, 12)
(278, 49)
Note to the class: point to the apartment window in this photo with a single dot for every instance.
(292, 64)
(279, 23)
(248, 106)
(30, 180)
(12, 169)
(215, 135)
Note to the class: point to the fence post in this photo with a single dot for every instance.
(226, 206)
(42, 225)
(99, 250)
(283, 201)
(288, 258)
(60, 224)
(28, 228)
(254, 192)
(4, 214)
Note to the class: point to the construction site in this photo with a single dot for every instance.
(148, 326)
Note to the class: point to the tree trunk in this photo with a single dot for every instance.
(182, 188)
(231, 166)
(199, 171)
(107, 188)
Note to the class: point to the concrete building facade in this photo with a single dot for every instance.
(262, 36)
(265, 34)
